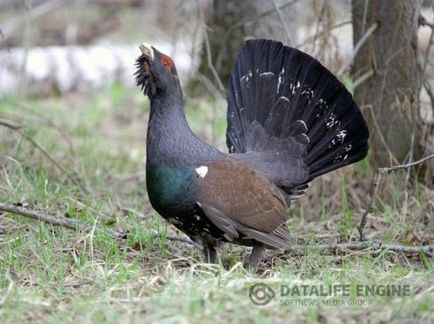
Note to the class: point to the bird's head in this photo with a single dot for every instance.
(156, 71)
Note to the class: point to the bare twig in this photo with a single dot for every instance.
(318, 24)
(319, 33)
(48, 121)
(357, 48)
(17, 129)
(210, 86)
(430, 93)
(211, 65)
(36, 12)
(209, 54)
(405, 166)
(91, 235)
(262, 15)
(368, 210)
(283, 6)
(376, 184)
(365, 15)
(282, 20)
(365, 76)
(407, 176)
(380, 133)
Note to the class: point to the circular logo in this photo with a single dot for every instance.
(260, 294)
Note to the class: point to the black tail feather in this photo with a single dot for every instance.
(291, 95)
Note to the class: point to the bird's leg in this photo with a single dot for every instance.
(210, 252)
(256, 256)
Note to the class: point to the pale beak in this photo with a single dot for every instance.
(147, 50)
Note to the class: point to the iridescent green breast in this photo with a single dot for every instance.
(170, 189)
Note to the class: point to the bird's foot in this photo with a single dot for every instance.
(210, 252)
(255, 257)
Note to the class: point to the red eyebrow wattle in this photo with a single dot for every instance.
(167, 62)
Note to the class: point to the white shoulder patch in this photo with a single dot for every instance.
(202, 171)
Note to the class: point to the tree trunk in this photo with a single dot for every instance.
(389, 62)
(230, 23)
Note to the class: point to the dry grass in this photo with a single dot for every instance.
(52, 274)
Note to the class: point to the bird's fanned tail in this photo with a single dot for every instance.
(291, 117)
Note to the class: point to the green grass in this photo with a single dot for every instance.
(53, 274)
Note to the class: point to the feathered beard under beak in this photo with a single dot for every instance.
(144, 77)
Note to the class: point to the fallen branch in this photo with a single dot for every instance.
(38, 215)
(365, 245)
(10, 125)
(296, 249)
(72, 224)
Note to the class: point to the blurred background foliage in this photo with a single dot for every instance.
(56, 46)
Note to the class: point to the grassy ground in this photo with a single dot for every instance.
(51, 274)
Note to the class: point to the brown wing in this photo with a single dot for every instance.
(239, 199)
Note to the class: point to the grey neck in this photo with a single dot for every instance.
(170, 141)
